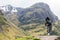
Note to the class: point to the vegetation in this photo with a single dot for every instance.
(35, 29)
(57, 29)
(8, 31)
(27, 38)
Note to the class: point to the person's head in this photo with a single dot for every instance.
(47, 19)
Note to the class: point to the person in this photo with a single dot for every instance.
(49, 25)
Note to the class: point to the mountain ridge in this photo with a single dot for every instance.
(40, 10)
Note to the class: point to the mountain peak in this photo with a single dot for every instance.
(41, 4)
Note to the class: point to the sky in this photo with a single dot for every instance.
(54, 4)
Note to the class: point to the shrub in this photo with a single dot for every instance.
(36, 39)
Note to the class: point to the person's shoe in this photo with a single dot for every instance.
(48, 33)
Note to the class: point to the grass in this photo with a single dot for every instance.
(27, 38)
(7, 30)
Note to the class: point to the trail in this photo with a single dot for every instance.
(48, 37)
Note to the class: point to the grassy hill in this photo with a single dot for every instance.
(8, 31)
(37, 29)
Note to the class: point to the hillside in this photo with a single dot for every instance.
(8, 31)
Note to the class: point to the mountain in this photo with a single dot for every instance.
(36, 13)
(33, 14)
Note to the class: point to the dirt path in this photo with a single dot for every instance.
(48, 37)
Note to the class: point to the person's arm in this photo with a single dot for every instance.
(45, 24)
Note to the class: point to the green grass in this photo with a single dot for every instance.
(20, 39)
(2, 20)
(27, 38)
